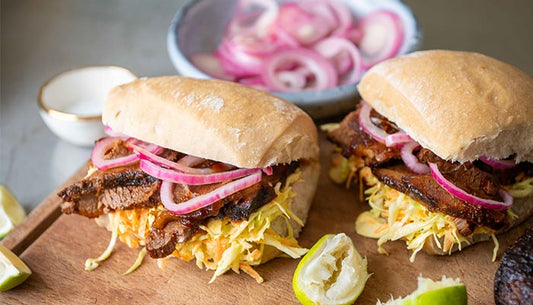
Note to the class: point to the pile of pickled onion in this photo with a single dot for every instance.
(304, 45)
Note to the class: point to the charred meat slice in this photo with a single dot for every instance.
(120, 188)
(354, 141)
(248, 201)
(425, 189)
(465, 175)
(513, 283)
(167, 230)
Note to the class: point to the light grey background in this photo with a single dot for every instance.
(42, 38)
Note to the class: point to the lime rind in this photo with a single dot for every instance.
(447, 291)
(11, 212)
(6, 225)
(332, 272)
(13, 271)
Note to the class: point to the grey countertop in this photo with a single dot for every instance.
(42, 38)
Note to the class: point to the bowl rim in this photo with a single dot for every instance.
(308, 98)
(67, 116)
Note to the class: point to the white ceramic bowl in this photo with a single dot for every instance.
(199, 25)
(71, 103)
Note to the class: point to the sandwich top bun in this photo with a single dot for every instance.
(212, 119)
(460, 105)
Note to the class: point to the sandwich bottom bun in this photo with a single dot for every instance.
(521, 210)
(304, 193)
(215, 251)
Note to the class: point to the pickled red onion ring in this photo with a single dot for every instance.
(99, 151)
(344, 18)
(364, 121)
(321, 69)
(174, 176)
(382, 37)
(411, 161)
(501, 164)
(303, 26)
(261, 30)
(262, 19)
(190, 161)
(208, 198)
(332, 47)
(396, 139)
(114, 134)
(144, 154)
(463, 195)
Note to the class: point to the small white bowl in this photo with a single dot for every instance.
(71, 102)
(190, 33)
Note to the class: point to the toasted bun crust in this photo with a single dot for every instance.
(460, 105)
(213, 119)
(523, 207)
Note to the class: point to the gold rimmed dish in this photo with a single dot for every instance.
(70, 103)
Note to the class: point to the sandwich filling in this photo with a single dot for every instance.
(228, 233)
(410, 204)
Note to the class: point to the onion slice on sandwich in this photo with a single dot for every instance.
(208, 198)
(396, 139)
(364, 120)
(110, 132)
(501, 164)
(174, 176)
(104, 145)
(101, 148)
(410, 160)
(183, 165)
(463, 195)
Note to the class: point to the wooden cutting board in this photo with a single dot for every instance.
(56, 246)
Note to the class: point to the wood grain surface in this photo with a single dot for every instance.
(57, 259)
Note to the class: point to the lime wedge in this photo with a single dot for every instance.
(13, 271)
(11, 212)
(332, 272)
(444, 292)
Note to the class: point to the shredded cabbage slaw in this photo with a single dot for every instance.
(223, 244)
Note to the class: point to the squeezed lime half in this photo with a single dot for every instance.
(332, 272)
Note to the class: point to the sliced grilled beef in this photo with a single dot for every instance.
(465, 175)
(120, 188)
(437, 199)
(167, 230)
(513, 283)
(248, 201)
(354, 141)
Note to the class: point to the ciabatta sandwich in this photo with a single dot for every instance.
(443, 141)
(205, 170)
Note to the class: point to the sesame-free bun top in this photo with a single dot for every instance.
(212, 119)
(460, 105)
